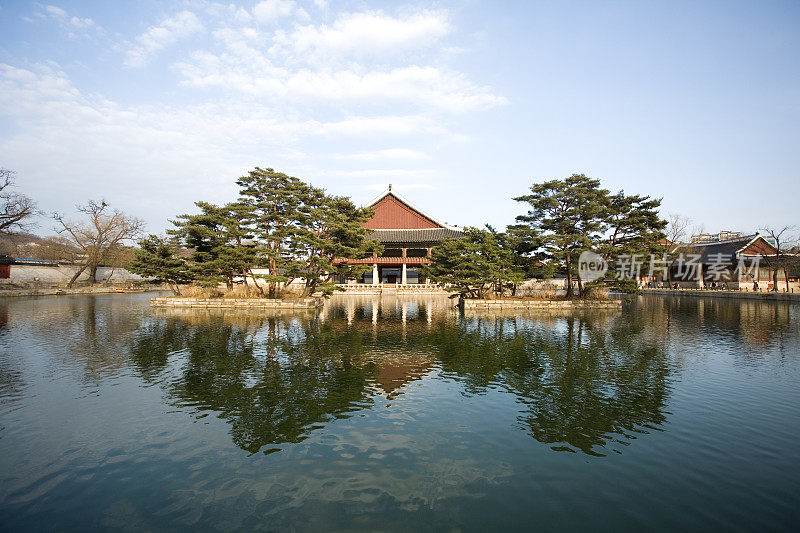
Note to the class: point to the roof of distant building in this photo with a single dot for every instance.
(418, 236)
(392, 211)
(731, 248)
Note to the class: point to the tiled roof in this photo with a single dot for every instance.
(706, 250)
(430, 235)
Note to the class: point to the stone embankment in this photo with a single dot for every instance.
(19, 290)
(541, 305)
(235, 303)
(770, 296)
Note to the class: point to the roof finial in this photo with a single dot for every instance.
(390, 187)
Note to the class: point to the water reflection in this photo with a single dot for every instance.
(583, 382)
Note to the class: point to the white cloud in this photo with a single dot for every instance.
(81, 22)
(150, 156)
(270, 11)
(284, 66)
(74, 26)
(364, 34)
(162, 35)
(382, 125)
(245, 70)
(390, 173)
(55, 11)
(389, 153)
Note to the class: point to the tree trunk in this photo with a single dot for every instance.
(93, 274)
(569, 278)
(775, 280)
(76, 276)
(175, 289)
(246, 285)
(786, 277)
(272, 272)
(255, 282)
(581, 294)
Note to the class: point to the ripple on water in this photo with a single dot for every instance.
(674, 414)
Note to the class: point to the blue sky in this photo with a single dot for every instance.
(461, 105)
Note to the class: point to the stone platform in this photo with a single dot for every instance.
(235, 303)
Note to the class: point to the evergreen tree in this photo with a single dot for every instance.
(276, 215)
(330, 229)
(635, 229)
(573, 215)
(568, 216)
(479, 264)
(302, 231)
(218, 238)
(157, 258)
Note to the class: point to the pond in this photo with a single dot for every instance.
(398, 414)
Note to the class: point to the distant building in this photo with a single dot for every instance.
(705, 261)
(407, 234)
(716, 237)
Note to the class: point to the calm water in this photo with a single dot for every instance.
(398, 415)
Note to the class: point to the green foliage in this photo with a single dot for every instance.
(634, 228)
(217, 237)
(156, 258)
(567, 217)
(281, 223)
(331, 229)
(276, 214)
(302, 231)
(481, 263)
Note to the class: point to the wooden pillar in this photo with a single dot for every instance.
(404, 278)
(375, 279)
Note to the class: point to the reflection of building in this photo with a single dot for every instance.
(396, 370)
(407, 235)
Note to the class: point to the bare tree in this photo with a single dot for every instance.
(780, 261)
(698, 229)
(677, 226)
(99, 237)
(16, 209)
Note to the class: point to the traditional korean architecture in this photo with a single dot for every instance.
(738, 262)
(407, 235)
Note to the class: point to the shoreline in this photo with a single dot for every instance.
(63, 291)
(768, 296)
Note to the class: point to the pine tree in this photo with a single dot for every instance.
(157, 258)
(568, 216)
(480, 263)
(275, 203)
(218, 238)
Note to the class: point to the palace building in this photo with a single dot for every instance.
(407, 235)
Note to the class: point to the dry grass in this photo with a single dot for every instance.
(238, 291)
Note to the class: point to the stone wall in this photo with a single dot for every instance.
(63, 273)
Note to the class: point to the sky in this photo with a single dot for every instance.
(152, 106)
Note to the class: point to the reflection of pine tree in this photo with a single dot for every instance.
(584, 382)
(584, 387)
